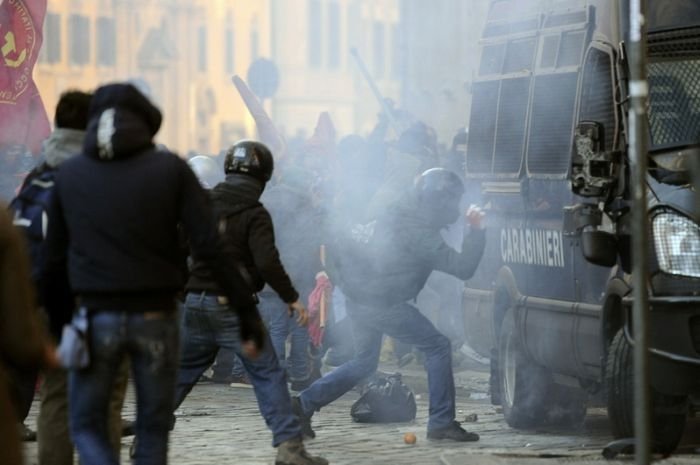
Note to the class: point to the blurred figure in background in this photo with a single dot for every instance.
(22, 340)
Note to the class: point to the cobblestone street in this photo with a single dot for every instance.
(218, 424)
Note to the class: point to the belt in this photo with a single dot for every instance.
(221, 299)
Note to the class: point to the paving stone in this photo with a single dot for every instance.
(219, 425)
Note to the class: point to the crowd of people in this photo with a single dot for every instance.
(177, 266)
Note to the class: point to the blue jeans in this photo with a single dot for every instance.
(406, 324)
(150, 341)
(209, 326)
(276, 316)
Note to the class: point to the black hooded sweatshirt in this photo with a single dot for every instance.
(115, 218)
(248, 234)
(389, 260)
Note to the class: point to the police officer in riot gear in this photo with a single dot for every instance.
(382, 266)
(246, 233)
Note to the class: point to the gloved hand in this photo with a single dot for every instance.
(475, 217)
(253, 333)
(302, 313)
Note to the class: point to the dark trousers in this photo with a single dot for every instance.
(406, 324)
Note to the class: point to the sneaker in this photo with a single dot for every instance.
(240, 382)
(454, 432)
(305, 421)
(293, 452)
(26, 434)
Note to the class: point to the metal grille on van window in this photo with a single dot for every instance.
(549, 52)
(501, 29)
(549, 147)
(492, 59)
(571, 49)
(483, 127)
(566, 18)
(597, 102)
(674, 113)
(512, 119)
(519, 56)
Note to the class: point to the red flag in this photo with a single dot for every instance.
(269, 135)
(23, 119)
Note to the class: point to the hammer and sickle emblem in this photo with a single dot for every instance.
(10, 47)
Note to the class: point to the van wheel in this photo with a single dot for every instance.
(528, 395)
(667, 428)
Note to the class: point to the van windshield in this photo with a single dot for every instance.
(674, 111)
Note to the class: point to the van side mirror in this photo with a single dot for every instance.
(594, 171)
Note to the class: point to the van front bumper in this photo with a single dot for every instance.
(674, 344)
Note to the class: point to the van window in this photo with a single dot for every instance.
(482, 127)
(498, 122)
(551, 123)
(597, 98)
(571, 49)
(519, 56)
(492, 59)
(510, 131)
(550, 47)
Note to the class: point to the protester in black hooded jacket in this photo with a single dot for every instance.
(208, 326)
(250, 239)
(113, 230)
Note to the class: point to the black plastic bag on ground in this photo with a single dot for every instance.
(385, 400)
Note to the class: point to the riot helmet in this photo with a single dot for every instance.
(439, 192)
(207, 171)
(250, 158)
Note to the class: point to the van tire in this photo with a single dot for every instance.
(667, 428)
(523, 384)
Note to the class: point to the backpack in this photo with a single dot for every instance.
(385, 400)
(30, 213)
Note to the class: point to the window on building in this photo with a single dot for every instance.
(202, 49)
(229, 50)
(79, 31)
(106, 42)
(51, 49)
(396, 52)
(254, 43)
(333, 35)
(379, 50)
(314, 32)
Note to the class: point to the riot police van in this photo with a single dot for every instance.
(551, 301)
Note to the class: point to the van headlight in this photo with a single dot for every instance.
(677, 242)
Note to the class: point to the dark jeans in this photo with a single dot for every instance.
(280, 325)
(209, 326)
(150, 341)
(406, 324)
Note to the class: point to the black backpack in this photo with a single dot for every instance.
(385, 400)
(29, 210)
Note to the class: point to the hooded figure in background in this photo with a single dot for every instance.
(412, 154)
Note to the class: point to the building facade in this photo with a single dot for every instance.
(182, 52)
(311, 42)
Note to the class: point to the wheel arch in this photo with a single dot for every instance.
(613, 315)
(506, 295)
